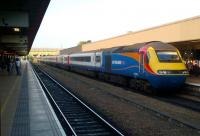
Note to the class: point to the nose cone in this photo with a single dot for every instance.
(168, 82)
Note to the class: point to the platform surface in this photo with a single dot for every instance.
(193, 80)
(24, 108)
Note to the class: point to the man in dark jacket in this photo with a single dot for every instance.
(18, 65)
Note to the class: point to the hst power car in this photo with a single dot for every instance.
(154, 65)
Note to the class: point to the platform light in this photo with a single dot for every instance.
(194, 41)
(16, 29)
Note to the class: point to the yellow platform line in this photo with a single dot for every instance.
(8, 98)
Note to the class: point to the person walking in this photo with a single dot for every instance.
(18, 66)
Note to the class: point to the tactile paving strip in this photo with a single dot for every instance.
(21, 123)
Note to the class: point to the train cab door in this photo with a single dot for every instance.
(141, 63)
(108, 63)
(97, 60)
(63, 60)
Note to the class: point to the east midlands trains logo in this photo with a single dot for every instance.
(118, 62)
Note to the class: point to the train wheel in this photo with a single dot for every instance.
(133, 83)
(147, 87)
(126, 82)
(107, 77)
(154, 91)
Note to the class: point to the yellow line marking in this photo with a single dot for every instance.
(7, 99)
(9, 95)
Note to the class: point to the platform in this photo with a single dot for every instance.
(25, 109)
(192, 85)
(193, 80)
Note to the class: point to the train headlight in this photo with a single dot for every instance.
(170, 72)
(185, 72)
(162, 72)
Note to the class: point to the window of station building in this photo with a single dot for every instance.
(98, 59)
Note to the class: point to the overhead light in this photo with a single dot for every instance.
(195, 41)
(16, 29)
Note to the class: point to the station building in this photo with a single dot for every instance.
(37, 52)
(184, 34)
(43, 52)
(72, 50)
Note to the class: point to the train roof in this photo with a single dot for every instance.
(157, 45)
(162, 46)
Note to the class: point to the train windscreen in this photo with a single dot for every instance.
(168, 56)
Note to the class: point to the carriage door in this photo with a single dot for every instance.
(108, 63)
(141, 63)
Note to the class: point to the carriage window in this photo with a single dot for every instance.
(98, 59)
(168, 56)
(65, 59)
(82, 59)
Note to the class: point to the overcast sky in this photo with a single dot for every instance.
(67, 22)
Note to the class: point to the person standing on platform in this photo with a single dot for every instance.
(12, 63)
(1, 63)
(18, 66)
(8, 65)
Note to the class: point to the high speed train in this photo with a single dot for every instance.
(142, 66)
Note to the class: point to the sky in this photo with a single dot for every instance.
(67, 22)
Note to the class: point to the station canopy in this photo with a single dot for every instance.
(19, 23)
(184, 34)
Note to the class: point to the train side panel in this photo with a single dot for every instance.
(125, 64)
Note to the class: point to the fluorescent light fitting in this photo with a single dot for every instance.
(195, 41)
(16, 29)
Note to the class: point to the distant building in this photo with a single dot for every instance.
(71, 50)
(35, 52)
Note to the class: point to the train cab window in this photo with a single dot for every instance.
(168, 56)
(98, 59)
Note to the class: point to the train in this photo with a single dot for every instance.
(151, 65)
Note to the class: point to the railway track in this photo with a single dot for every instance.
(188, 102)
(160, 113)
(76, 117)
(183, 102)
(191, 103)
